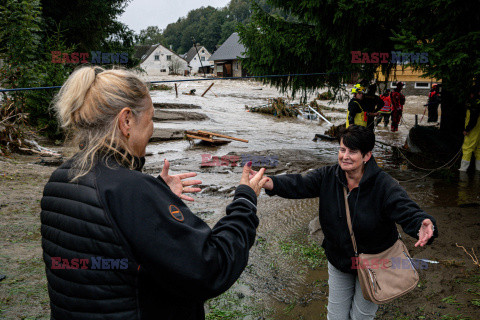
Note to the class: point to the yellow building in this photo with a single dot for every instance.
(415, 84)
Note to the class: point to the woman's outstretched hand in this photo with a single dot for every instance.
(425, 233)
(268, 185)
(176, 184)
(255, 181)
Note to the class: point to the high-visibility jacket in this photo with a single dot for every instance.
(360, 118)
(387, 107)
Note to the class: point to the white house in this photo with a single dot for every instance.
(157, 60)
(197, 59)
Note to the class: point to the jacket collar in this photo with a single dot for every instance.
(371, 170)
(116, 159)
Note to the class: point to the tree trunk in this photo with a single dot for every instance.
(452, 121)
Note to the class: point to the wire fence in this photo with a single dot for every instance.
(198, 79)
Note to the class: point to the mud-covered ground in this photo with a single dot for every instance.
(449, 288)
(286, 276)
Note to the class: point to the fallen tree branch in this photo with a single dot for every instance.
(473, 255)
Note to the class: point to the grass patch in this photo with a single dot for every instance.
(450, 317)
(307, 252)
(232, 305)
(476, 302)
(450, 300)
(24, 292)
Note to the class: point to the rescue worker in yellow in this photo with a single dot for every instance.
(356, 113)
(471, 143)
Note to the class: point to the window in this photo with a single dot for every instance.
(195, 59)
(393, 84)
(203, 58)
(157, 57)
(163, 70)
(169, 58)
(422, 85)
(203, 51)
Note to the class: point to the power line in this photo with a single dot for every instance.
(199, 79)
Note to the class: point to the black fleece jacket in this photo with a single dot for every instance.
(170, 260)
(376, 205)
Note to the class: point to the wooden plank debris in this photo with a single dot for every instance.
(222, 136)
(208, 88)
(210, 137)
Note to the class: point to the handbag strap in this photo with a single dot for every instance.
(349, 222)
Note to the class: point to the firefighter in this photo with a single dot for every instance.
(398, 100)
(386, 111)
(356, 114)
(471, 143)
(433, 103)
(373, 104)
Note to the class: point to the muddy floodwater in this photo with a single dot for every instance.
(275, 280)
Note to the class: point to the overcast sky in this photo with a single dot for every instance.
(140, 14)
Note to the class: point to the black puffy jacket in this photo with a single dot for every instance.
(119, 244)
(375, 206)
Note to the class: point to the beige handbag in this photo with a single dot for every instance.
(383, 276)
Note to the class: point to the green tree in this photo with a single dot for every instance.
(319, 36)
(307, 36)
(449, 31)
(150, 36)
(90, 25)
(47, 74)
(207, 25)
(20, 37)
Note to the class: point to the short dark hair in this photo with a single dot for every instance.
(357, 138)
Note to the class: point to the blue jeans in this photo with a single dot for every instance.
(345, 299)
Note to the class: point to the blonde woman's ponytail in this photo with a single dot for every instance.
(72, 94)
(87, 107)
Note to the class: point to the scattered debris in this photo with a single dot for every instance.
(279, 108)
(211, 137)
(335, 130)
(452, 263)
(12, 127)
(191, 93)
(208, 88)
(160, 105)
(473, 255)
(323, 137)
(276, 107)
(50, 161)
(325, 96)
(160, 87)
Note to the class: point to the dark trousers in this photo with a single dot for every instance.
(396, 116)
(433, 113)
(385, 117)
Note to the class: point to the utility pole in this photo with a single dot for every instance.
(199, 58)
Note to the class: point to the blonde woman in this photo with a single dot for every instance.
(120, 244)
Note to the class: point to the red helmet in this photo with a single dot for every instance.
(434, 85)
